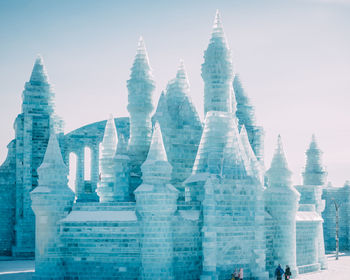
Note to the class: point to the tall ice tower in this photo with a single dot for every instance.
(217, 72)
(140, 87)
(32, 130)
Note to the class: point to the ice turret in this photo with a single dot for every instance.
(51, 201)
(281, 200)
(156, 204)
(32, 130)
(140, 87)
(217, 72)
(315, 173)
(181, 126)
(246, 116)
(106, 187)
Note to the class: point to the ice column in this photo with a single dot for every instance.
(281, 200)
(106, 185)
(156, 203)
(140, 87)
(51, 201)
(217, 72)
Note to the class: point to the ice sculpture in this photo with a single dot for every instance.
(217, 72)
(106, 186)
(181, 126)
(156, 203)
(51, 201)
(315, 173)
(140, 88)
(281, 200)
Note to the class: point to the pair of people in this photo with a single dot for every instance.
(237, 275)
(279, 272)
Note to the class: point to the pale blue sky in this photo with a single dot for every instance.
(293, 58)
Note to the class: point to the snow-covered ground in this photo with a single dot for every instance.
(337, 270)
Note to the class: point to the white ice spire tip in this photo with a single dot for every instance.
(181, 71)
(53, 156)
(157, 150)
(217, 20)
(141, 45)
(279, 144)
(39, 59)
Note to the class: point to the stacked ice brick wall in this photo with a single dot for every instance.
(52, 200)
(181, 127)
(32, 128)
(101, 240)
(8, 200)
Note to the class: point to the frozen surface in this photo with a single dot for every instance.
(19, 269)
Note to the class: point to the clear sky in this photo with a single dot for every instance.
(293, 57)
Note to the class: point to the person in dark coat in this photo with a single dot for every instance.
(287, 273)
(279, 272)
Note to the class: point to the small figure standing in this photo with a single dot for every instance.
(235, 275)
(287, 273)
(279, 272)
(240, 274)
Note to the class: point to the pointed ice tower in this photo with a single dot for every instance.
(52, 200)
(156, 202)
(140, 87)
(181, 126)
(217, 72)
(246, 116)
(315, 173)
(32, 130)
(106, 186)
(281, 200)
(311, 192)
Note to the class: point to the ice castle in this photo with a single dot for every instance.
(168, 197)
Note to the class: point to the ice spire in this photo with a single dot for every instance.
(140, 106)
(38, 95)
(245, 110)
(53, 172)
(156, 150)
(217, 71)
(109, 145)
(315, 173)
(156, 169)
(279, 174)
(39, 74)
